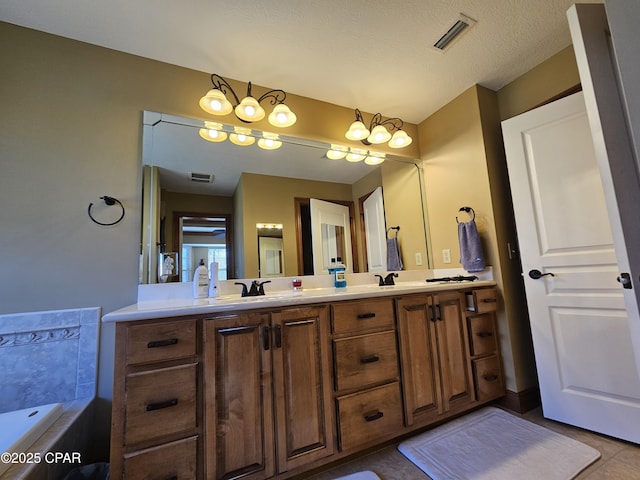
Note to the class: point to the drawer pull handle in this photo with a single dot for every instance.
(490, 378)
(485, 334)
(362, 316)
(160, 405)
(370, 417)
(489, 300)
(174, 477)
(162, 343)
(371, 359)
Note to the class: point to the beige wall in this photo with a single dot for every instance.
(464, 164)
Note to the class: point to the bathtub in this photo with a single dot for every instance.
(21, 428)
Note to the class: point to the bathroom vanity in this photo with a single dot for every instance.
(274, 386)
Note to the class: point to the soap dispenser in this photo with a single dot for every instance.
(201, 281)
(213, 282)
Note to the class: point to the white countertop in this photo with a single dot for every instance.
(170, 307)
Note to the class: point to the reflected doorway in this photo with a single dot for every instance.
(304, 234)
(203, 236)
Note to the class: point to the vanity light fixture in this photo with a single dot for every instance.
(248, 109)
(213, 132)
(379, 131)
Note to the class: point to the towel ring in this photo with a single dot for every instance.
(469, 210)
(110, 201)
(397, 229)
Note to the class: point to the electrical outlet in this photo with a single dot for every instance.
(446, 255)
(418, 258)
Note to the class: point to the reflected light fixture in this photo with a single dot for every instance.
(374, 158)
(269, 141)
(356, 155)
(248, 109)
(379, 131)
(213, 132)
(337, 152)
(242, 137)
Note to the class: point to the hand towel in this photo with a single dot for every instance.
(394, 260)
(471, 256)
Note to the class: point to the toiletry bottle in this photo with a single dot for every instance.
(340, 280)
(332, 267)
(213, 282)
(200, 281)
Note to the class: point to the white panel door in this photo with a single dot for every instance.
(584, 354)
(330, 235)
(375, 231)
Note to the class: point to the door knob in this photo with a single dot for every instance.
(536, 274)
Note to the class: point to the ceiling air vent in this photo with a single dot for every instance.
(460, 26)
(201, 177)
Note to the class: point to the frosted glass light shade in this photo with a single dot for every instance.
(242, 137)
(400, 139)
(337, 152)
(269, 141)
(249, 110)
(213, 135)
(282, 116)
(215, 103)
(357, 131)
(374, 158)
(379, 134)
(356, 155)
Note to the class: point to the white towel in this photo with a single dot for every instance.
(471, 256)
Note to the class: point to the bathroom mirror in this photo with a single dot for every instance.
(182, 172)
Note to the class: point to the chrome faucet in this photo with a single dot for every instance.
(388, 280)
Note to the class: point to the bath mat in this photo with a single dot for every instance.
(491, 444)
(360, 476)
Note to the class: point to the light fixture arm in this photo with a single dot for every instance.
(392, 123)
(275, 96)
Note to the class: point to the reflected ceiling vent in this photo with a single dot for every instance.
(201, 177)
(461, 25)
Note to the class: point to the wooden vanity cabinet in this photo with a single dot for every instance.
(436, 373)
(267, 392)
(483, 344)
(156, 420)
(366, 373)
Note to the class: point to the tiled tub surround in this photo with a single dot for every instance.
(51, 357)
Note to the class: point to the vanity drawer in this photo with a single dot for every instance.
(483, 335)
(485, 300)
(488, 378)
(172, 460)
(160, 402)
(362, 315)
(365, 359)
(161, 341)
(368, 416)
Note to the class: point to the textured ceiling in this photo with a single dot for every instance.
(375, 55)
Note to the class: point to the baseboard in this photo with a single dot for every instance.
(521, 402)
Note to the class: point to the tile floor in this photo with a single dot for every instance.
(619, 461)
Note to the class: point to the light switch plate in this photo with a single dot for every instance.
(446, 255)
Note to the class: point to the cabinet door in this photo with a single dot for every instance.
(419, 359)
(238, 397)
(302, 386)
(452, 351)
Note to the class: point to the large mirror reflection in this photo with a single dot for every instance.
(218, 201)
